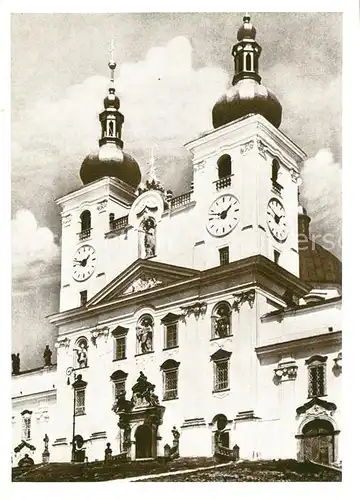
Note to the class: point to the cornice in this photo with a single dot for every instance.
(288, 347)
(292, 311)
(241, 130)
(18, 400)
(251, 270)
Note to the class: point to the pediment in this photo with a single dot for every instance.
(22, 445)
(316, 406)
(142, 276)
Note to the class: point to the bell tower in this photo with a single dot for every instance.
(246, 170)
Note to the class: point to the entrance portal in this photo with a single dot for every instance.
(143, 440)
(318, 441)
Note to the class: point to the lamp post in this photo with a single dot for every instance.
(69, 371)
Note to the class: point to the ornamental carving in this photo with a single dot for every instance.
(317, 407)
(63, 343)
(198, 166)
(66, 219)
(262, 148)
(98, 332)
(102, 205)
(295, 176)
(42, 415)
(143, 393)
(197, 309)
(286, 370)
(142, 283)
(245, 148)
(243, 297)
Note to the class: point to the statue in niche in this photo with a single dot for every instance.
(144, 335)
(148, 226)
(82, 354)
(222, 321)
(47, 356)
(15, 359)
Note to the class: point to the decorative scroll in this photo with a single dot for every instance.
(197, 309)
(243, 297)
(66, 219)
(142, 283)
(98, 332)
(245, 148)
(317, 406)
(295, 176)
(102, 205)
(198, 166)
(63, 343)
(262, 148)
(286, 370)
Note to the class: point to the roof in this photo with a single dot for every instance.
(318, 266)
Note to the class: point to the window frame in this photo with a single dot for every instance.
(166, 333)
(317, 363)
(80, 409)
(120, 338)
(174, 392)
(216, 382)
(224, 250)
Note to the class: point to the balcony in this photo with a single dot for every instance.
(179, 201)
(85, 234)
(223, 182)
(119, 223)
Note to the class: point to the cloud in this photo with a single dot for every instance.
(321, 193)
(35, 253)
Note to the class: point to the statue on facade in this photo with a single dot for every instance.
(143, 392)
(47, 356)
(144, 335)
(82, 355)
(15, 359)
(46, 453)
(222, 321)
(108, 453)
(149, 227)
(176, 434)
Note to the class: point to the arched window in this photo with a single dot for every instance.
(119, 384)
(81, 353)
(248, 62)
(221, 321)
(170, 370)
(111, 129)
(145, 334)
(224, 166)
(85, 218)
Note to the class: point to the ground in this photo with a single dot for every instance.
(262, 471)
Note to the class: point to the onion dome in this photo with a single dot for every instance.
(247, 95)
(318, 266)
(111, 160)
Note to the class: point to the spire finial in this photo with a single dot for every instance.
(112, 63)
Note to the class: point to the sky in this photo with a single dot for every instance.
(171, 69)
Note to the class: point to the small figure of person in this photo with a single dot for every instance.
(47, 356)
(108, 452)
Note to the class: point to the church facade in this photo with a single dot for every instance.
(206, 323)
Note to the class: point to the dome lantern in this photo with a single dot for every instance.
(247, 95)
(111, 160)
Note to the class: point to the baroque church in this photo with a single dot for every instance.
(222, 339)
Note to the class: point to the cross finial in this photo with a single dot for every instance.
(112, 49)
(112, 63)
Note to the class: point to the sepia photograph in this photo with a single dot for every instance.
(176, 247)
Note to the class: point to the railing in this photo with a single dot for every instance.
(223, 183)
(83, 235)
(179, 201)
(227, 453)
(119, 223)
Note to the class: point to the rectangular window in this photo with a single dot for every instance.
(79, 401)
(224, 256)
(221, 375)
(171, 335)
(119, 388)
(170, 384)
(317, 380)
(26, 427)
(120, 347)
(83, 297)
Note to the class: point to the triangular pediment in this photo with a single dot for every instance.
(142, 276)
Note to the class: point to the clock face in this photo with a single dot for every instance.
(84, 262)
(276, 220)
(223, 215)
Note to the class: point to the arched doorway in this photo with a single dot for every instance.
(143, 442)
(318, 441)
